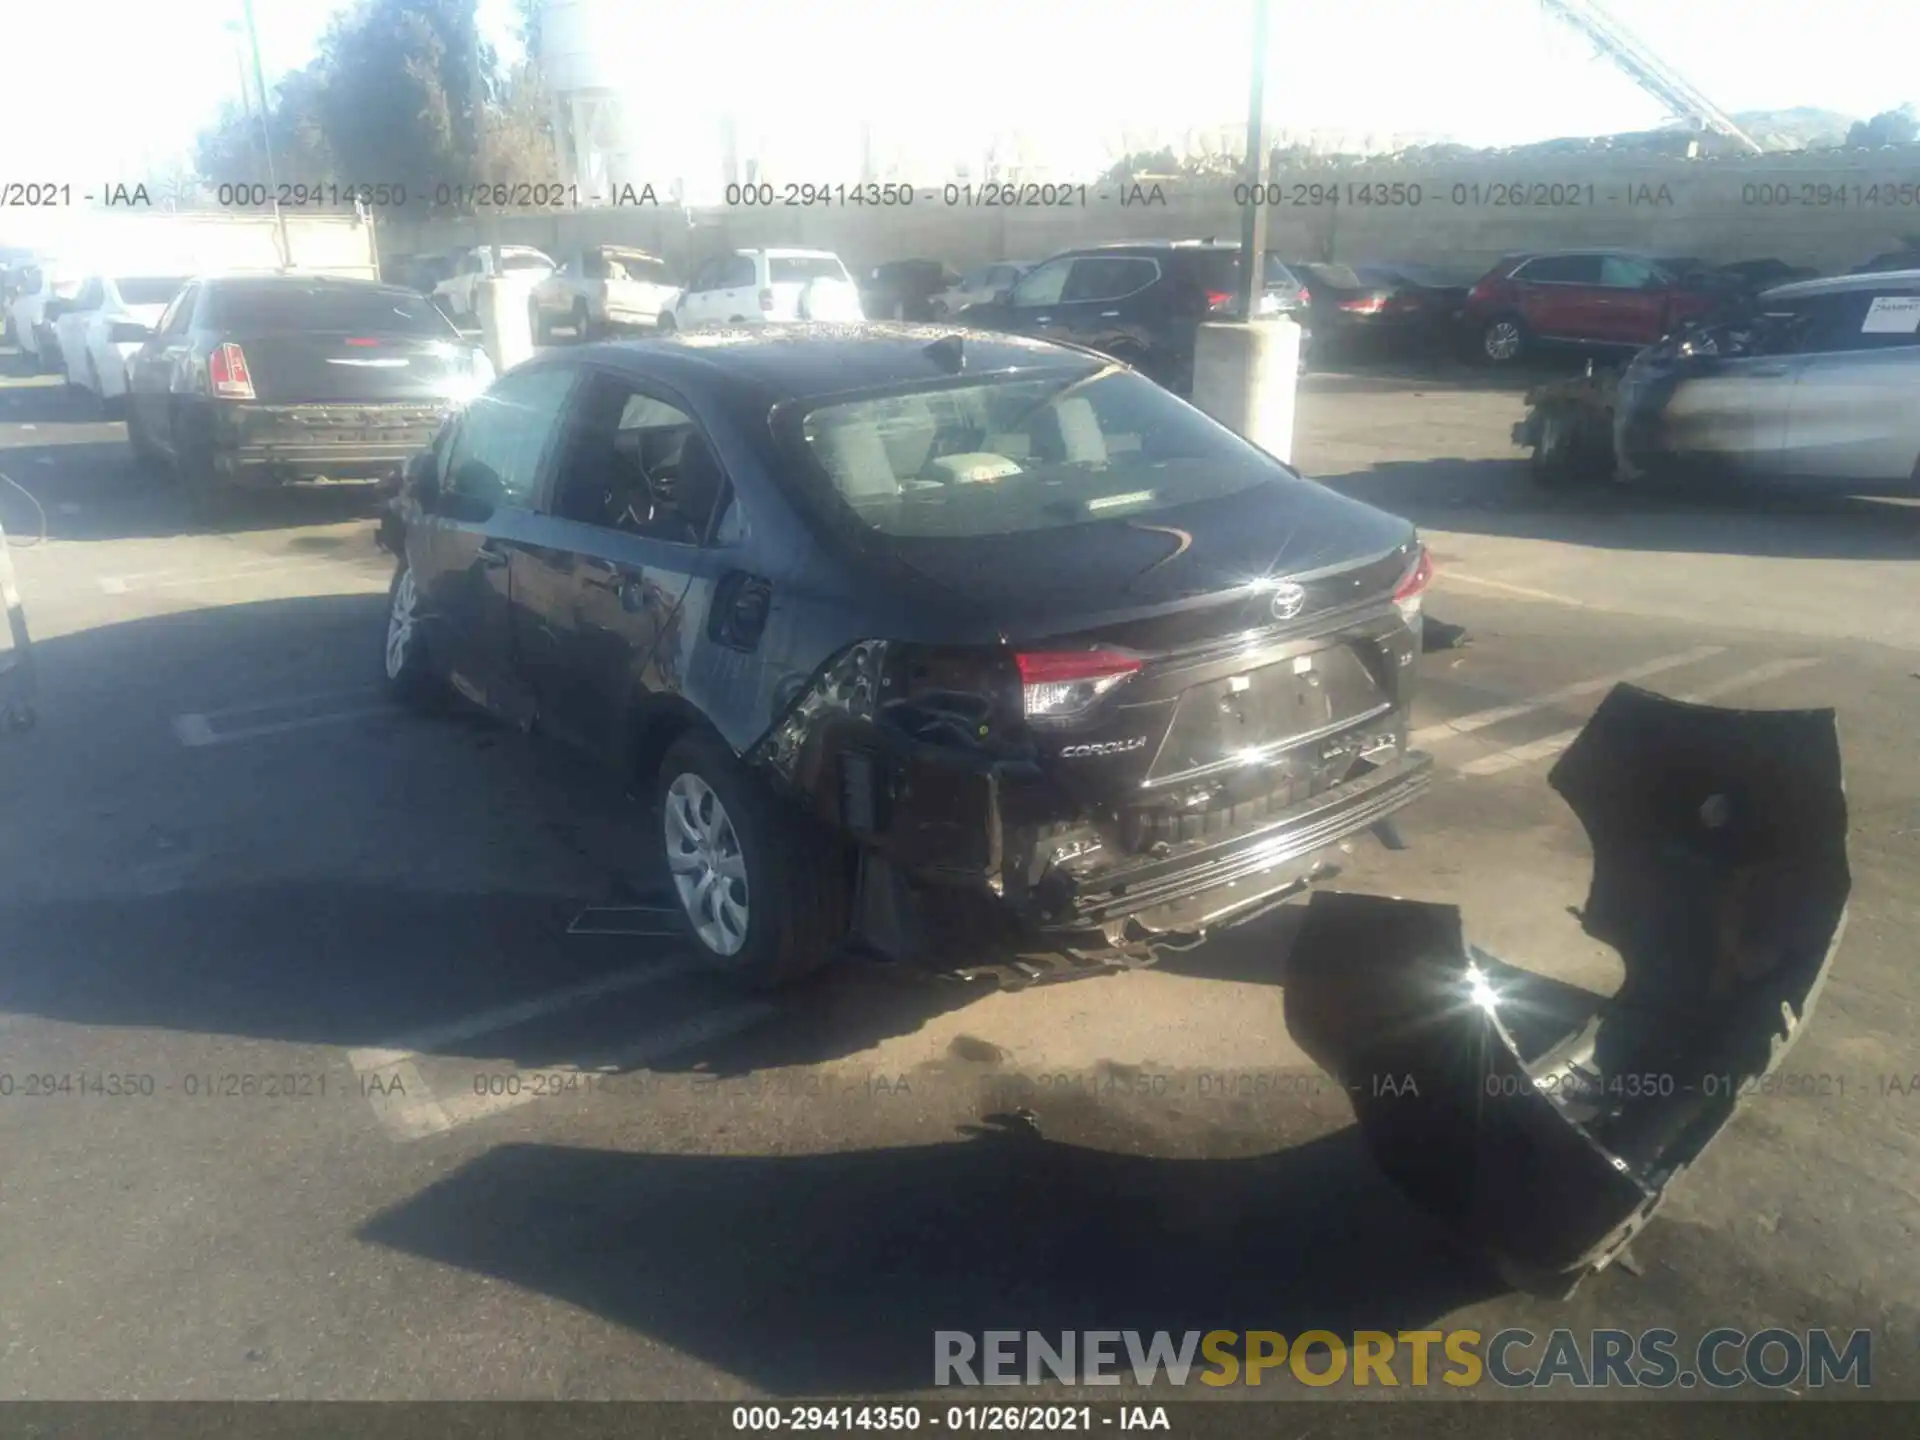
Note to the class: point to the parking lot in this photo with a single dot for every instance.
(413, 1106)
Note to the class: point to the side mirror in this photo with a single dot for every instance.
(127, 332)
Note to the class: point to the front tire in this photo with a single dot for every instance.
(409, 676)
(1503, 341)
(667, 324)
(763, 887)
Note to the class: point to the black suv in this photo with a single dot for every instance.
(1142, 303)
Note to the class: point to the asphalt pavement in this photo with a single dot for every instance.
(336, 1061)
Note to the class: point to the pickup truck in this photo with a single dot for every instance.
(601, 289)
(454, 295)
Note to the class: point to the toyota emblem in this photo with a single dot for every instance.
(1288, 600)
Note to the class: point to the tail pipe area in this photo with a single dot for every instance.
(1540, 1124)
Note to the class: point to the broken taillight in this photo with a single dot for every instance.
(1063, 685)
(227, 375)
(1407, 596)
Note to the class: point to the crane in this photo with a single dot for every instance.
(1646, 69)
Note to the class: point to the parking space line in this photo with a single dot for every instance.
(196, 730)
(1481, 719)
(1553, 744)
(506, 1017)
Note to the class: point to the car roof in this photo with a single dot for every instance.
(781, 253)
(801, 361)
(230, 280)
(1842, 284)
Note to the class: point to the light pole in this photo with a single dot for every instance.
(266, 136)
(1253, 216)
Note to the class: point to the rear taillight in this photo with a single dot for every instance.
(227, 375)
(766, 301)
(1063, 685)
(1407, 596)
(1219, 299)
(360, 340)
(1304, 296)
(1482, 292)
(1365, 304)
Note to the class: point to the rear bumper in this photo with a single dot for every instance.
(271, 444)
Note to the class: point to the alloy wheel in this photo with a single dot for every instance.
(1502, 340)
(400, 624)
(708, 866)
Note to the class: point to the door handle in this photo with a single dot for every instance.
(1109, 314)
(1041, 319)
(491, 554)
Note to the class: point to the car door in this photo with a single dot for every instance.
(1855, 413)
(631, 503)
(1559, 295)
(735, 298)
(1631, 307)
(150, 373)
(71, 328)
(491, 474)
(696, 301)
(1097, 304)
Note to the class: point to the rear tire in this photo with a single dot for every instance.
(214, 503)
(666, 323)
(583, 327)
(144, 455)
(1503, 340)
(763, 886)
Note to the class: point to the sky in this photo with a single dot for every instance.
(1478, 71)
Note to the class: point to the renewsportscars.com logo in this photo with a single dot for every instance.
(1721, 1359)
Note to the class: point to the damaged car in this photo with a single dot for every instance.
(1540, 1125)
(917, 638)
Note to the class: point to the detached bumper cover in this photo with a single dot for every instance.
(1548, 1142)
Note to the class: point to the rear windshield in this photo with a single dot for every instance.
(525, 262)
(1344, 277)
(798, 269)
(328, 308)
(1220, 270)
(1037, 452)
(148, 291)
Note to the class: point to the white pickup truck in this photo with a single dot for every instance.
(520, 264)
(600, 289)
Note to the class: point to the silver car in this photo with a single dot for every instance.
(1819, 380)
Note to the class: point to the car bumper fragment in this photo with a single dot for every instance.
(1538, 1124)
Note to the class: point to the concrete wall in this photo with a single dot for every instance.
(1805, 208)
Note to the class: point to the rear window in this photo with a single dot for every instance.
(1220, 270)
(1048, 451)
(799, 269)
(147, 291)
(525, 262)
(327, 308)
(638, 267)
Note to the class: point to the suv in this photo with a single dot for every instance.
(1585, 297)
(1140, 303)
(762, 287)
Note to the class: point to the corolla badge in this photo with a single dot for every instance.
(1288, 600)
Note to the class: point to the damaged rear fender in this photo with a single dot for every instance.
(1544, 1140)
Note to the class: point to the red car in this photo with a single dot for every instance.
(1585, 297)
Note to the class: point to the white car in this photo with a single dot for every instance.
(39, 284)
(518, 264)
(764, 287)
(604, 287)
(111, 318)
(978, 287)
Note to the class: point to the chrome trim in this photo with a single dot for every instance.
(1262, 754)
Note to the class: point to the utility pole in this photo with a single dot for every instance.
(1253, 217)
(266, 136)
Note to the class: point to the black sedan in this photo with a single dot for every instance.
(914, 634)
(1409, 304)
(257, 381)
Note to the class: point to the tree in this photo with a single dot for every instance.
(1889, 127)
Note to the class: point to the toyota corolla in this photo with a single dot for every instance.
(917, 637)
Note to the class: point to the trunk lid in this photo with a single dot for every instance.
(335, 367)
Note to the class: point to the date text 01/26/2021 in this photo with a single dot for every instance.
(956, 1419)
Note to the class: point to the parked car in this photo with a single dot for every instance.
(1608, 298)
(1905, 258)
(602, 288)
(421, 272)
(765, 287)
(111, 317)
(895, 630)
(519, 264)
(1142, 303)
(1758, 275)
(45, 289)
(1409, 303)
(978, 286)
(1818, 382)
(258, 381)
(905, 289)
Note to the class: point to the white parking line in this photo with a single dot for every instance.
(1481, 719)
(245, 570)
(211, 728)
(1553, 744)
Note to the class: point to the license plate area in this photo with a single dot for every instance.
(1252, 717)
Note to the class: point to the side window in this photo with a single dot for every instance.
(1622, 273)
(1108, 277)
(637, 463)
(92, 295)
(1561, 270)
(739, 273)
(495, 454)
(1864, 320)
(1043, 284)
(179, 315)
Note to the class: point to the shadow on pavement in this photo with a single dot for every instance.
(830, 1273)
(1497, 497)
